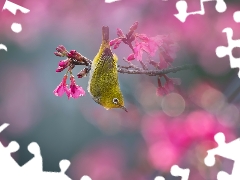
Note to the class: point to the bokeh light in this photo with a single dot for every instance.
(157, 131)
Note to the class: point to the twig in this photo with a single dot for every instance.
(144, 66)
(131, 65)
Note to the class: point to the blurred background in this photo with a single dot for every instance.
(157, 132)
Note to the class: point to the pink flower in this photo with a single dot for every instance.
(75, 90)
(149, 45)
(62, 87)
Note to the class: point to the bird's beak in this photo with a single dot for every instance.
(125, 109)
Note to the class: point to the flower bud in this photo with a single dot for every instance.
(60, 69)
(82, 73)
(61, 48)
(120, 33)
(62, 51)
(134, 26)
(58, 54)
(131, 57)
(112, 42)
(117, 44)
(132, 38)
(63, 63)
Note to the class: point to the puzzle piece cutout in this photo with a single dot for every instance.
(111, 1)
(86, 178)
(182, 9)
(222, 51)
(33, 169)
(3, 126)
(35, 164)
(236, 16)
(177, 171)
(228, 150)
(12, 7)
(5, 156)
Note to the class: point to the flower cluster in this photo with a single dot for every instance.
(163, 44)
(138, 43)
(74, 91)
(73, 58)
(167, 48)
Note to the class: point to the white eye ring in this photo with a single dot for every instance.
(115, 100)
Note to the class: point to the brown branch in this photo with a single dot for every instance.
(76, 58)
(156, 72)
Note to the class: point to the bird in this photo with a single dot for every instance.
(103, 84)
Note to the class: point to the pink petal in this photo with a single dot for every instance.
(158, 40)
(169, 85)
(62, 87)
(75, 90)
(161, 91)
(131, 57)
(59, 91)
(162, 64)
(143, 37)
(67, 91)
(138, 54)
(150, 47)
(138, 51)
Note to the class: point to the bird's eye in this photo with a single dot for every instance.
(115, 100)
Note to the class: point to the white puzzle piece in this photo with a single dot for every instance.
(2, 46)
(33, 169)
(12, 7)
(228, 150)
(177, 171)
(182, 9)
(222, 51)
